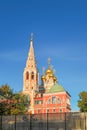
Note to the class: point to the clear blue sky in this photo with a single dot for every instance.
(60, 32)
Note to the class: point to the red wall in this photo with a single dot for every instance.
(52, 108)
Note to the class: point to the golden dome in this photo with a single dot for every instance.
(49, 71)
(55, 79)
(43, 77)
(51, 75)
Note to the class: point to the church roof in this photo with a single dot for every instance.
(56, 88)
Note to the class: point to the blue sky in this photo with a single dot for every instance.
(60, 32)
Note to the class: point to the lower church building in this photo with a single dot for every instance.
(50, 96)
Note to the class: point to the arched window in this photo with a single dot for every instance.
(59, 101)
(53, 100)
(32, 75)
(27, 75)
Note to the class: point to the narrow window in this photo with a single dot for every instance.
(60, 110)
(59, 101)
(32, 75)
(27, 75)
(48, 102)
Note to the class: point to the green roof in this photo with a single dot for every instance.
(56, 88)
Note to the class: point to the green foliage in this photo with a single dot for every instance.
(82, 102)
(12, 103)
(6, 91)
(20, 104)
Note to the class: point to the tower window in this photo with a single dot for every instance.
(32, 75)
(27, 75)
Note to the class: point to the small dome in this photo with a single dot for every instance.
(49, 71)
(51, 75)
(43, 77)
(55, 79)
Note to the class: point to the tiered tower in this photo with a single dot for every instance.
(30, 75)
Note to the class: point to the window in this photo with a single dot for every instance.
(27, 75)
(53, 100)
(47, 111)
(60, 110)
(38, 102)
(48, 102)
(59, 101)
(53, 110)
(32, 75)
(35, 102)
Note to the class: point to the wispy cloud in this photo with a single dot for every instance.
(12, 55)
(70, 53)
(65, 52)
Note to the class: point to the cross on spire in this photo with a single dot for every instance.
(49, 62)
(32, 36)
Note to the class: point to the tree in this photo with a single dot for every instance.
(20, 105)
(12, 103)
(6, 91)
(6, 94)
(82, 102)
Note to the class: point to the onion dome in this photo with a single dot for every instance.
(49, 71)
(43, 77)
(55, 79)
(51, 75)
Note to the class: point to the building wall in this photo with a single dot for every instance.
(52, 103)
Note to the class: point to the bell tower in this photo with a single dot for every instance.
(30, 75)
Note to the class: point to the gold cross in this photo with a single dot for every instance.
(49, 61)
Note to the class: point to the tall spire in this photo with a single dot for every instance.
(31, 56)
(31, 45)
(31, 71)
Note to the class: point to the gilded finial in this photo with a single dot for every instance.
(32, 36)
(49, 62)
(31, 39)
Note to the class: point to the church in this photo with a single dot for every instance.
(49, 96)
